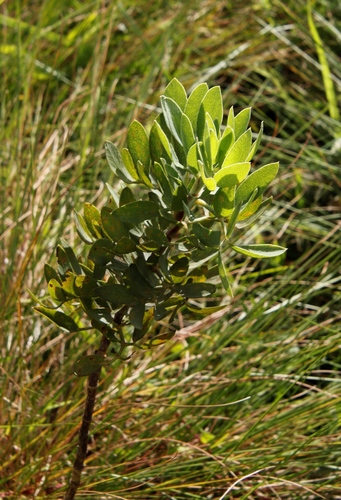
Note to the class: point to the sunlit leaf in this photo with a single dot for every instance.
(259, 180)
(176, 91)
(259, 251)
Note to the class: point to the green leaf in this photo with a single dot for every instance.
(102, 252)
(230, 118)
(240, 150)
(223, 276)
(82, 229)
(92, 218)
(195, 290)
(194, 102)
(232, 175)
(256, 144)
(164, 141)
(84, 286)
(260, 251)
(116, 164)
(241, 122)
(71, 257)
(187, 134)
(176, 91)
(172, 114)
(59, 318)
(130, 167)
(179, 270)
(209, 238)
(137, 212)
(136, 315)
(112, 225)
(137, 284)
(126, 196)
(138, 144)
(50, 273)
(63, 261)
(208, 181)
(56, 291)
(116, 294)
(143, 174)
(259, 179)
(89, 364)
(157, 149)
(163, 182)
(252, 218)
(225, 143)
(192, 157)
(223, 202)
(213, 105)
(125, 245)
(251, 207)
(204, 311)
(232, 221)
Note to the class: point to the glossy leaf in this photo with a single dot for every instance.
(125, 245)
(136, 315)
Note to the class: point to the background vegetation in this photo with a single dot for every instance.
(245, 404)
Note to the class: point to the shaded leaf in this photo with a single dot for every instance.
(116, 294)
(102, 252)
(59, 318)
(137, 212)
(89, 364)
(196, 290)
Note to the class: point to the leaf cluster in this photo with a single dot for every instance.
(158, 247)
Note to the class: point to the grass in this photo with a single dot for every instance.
(243, 406)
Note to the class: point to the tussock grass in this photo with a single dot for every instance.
(242, 405)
